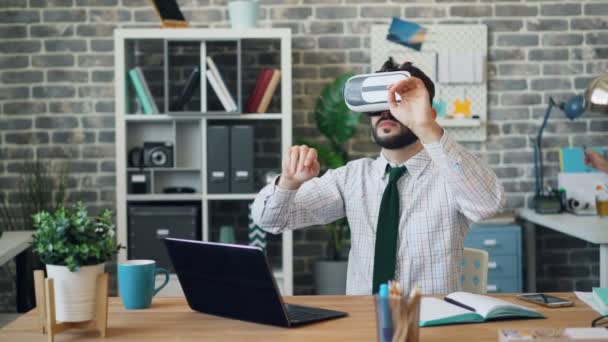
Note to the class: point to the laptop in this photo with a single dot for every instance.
(235, 281)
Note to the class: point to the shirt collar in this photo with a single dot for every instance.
(414, 165)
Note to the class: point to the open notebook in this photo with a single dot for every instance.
(435, 311)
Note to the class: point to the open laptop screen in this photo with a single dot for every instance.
(227, 280)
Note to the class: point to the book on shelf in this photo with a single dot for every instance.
(222, 85)
(272, 86)
(192, 83)
(256, 95)
(218, 91)
(463, 307)
(142, 91)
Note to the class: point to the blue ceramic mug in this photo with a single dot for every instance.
(136, 280)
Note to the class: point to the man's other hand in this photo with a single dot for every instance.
(300, 164)
(596, 160)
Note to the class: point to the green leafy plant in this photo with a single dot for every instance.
(338, 125)
(39, 188)
(70, 237)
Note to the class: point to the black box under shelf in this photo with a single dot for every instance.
(149, 223)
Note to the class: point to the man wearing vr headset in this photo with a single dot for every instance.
(408, 210)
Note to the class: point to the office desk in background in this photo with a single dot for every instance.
(592, 229)
(170, 319)
(14, 245)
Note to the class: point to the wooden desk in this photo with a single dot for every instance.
(170, 319)
(13, 245)
(592, 229)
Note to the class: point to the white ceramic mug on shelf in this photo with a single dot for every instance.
(243, 13)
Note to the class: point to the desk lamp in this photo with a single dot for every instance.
(594, 100)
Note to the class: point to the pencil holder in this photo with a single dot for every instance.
(397, 319)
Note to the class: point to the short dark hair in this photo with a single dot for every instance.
(390, 65)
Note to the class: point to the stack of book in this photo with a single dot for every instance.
(264, 88)
(142, 90)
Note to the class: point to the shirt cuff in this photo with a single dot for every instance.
(279, 193)
(445, 151)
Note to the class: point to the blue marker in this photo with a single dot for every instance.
(386, 321)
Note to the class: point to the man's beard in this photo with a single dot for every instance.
(405, 138)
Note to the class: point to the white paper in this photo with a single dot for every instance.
(461, 67)
(587, 298)
(434, 309)
(587, 334)
(483, 304)
(443, 67)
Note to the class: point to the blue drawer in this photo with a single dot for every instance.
(497, 241)
(503, 244)
(504, 266)
(504, 285)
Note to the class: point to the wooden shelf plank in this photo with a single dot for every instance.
(231, 197)
(198, 116)
(164, 197)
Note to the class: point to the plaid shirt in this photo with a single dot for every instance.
(446, 187)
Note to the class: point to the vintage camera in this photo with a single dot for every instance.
(153, 154)
(158, 154)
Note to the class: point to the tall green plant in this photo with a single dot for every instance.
(39, 188)
(338, 125)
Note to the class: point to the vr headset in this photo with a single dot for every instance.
(367, 93)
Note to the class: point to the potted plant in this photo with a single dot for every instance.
(338, 124)
(74, 247)
(41, 185)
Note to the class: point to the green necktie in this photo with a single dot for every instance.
(387, 231)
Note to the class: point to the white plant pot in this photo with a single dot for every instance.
(74, 292)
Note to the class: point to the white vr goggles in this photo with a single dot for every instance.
(368, 93)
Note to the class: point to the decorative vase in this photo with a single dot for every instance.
(330, 277)
(74, 291)
(243, 13)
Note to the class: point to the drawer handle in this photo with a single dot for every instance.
(162, 233)
(489, 242)
(492, 288)
(492, 265)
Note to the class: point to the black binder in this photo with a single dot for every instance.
(241, 159)
(218, 160)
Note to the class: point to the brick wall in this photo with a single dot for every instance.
(56, 89)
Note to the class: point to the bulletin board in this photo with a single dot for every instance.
(444, 39)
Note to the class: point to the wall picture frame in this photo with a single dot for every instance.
(170, 14)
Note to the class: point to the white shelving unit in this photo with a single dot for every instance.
(188, 129)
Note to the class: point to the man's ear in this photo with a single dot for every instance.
(434, 113)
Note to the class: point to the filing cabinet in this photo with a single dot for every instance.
(504, 247)
(149, 224)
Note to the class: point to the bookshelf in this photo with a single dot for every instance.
(167, 57)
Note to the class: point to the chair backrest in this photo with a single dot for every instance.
(474, 276)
